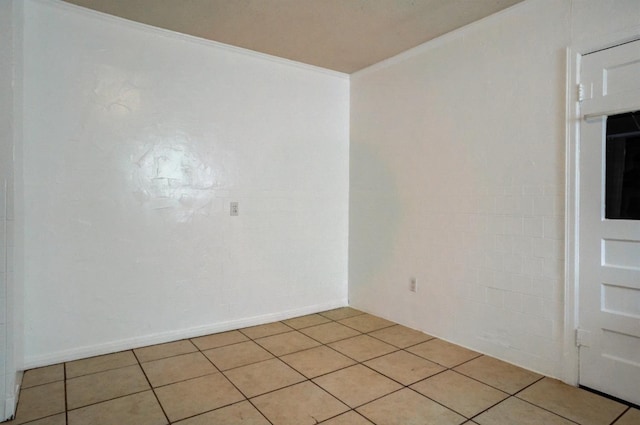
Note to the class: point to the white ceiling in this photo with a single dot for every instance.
(343, 35)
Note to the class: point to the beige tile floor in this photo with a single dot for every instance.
(340, 367)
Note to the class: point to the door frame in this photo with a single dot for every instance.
(574, 53)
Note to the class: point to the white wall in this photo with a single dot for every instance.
(457, 179)
(135, 142)
(596, 21)
(10, 310)
(457, 169)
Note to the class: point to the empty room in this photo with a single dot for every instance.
(275, 212)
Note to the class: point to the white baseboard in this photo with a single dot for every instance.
(11, 400)
(162, 337)
(9, 408)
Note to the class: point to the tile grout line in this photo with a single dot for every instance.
(415, 391)
(275, 356)
(311, 379)
(395, 380)
(357, 362)
(621, 415)
(490, 407)
(139, 364)
(100, 371)
(106, 400)
(247, 399)
(544, 408)
(516, 395)
(441, 404)
(489, 385)
(152, 388)
(527, 386)
(67, 409)
(179, 380)
(446, 368)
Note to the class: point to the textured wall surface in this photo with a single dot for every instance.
(457, 170)
(136, 142)
(457, 180)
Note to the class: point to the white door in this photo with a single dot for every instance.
(609, 222)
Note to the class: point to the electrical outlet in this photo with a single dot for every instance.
(234, 209)
(413, 285)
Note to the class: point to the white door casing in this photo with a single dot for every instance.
(609, 249)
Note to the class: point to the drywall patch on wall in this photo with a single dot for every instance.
(170, 175)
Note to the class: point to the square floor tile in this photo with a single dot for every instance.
(309, 383)
(366, 323)
(514, 411)
(306, 321)
(329, 332)
(362, 347)
(499, 374)
(287, 343)
(350, 418)
(139, 409)
(301, 404)
(341, 313)
(442, 352)
(631, 417)
(268, 329)
(400, 336)
(459, 393)
(219, 340)
(195, 396)
(38, 402)
(317, 361)
(237, 355)
(573, 403)
(259, 378)
(161, 351)
(178, 368)
(43, 375)
(102, 386)
(242, 413)
(408, 407)
(100, 363)
(404, 367)
(357, 385)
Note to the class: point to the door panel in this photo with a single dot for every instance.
(609, 248)
(610, 80)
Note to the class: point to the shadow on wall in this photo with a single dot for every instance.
(375, 212)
